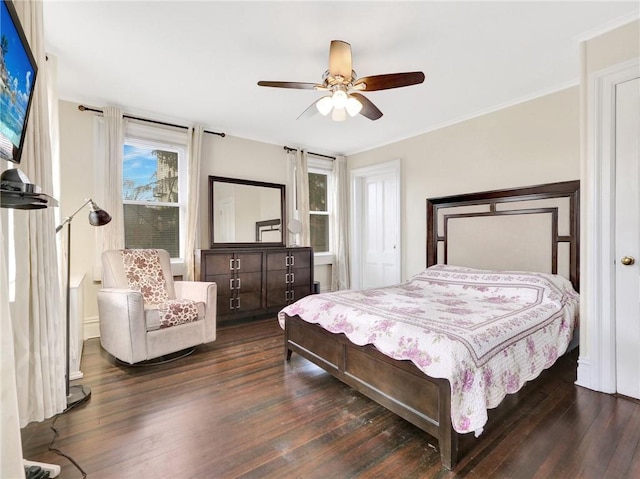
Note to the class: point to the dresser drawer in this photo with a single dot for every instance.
(300, 277)
(277, 297)
(218, 263)
(246, 282)
(277, 261)
(248, 262)
(249, 302)
(300, 259)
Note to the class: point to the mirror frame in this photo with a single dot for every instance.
(238, 181)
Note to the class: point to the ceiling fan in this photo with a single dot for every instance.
(343, 84)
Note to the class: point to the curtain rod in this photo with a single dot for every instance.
(288, 149)
(155, 122)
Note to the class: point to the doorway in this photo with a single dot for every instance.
(376, 224)
(610, 352)
(627, 238)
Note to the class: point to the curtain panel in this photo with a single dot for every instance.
(340, 225)
(10, 439)
(111, 178)
(302, 196)
(37, 313)
(194, 153)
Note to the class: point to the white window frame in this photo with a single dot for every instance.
(324, 167)
(169, 140)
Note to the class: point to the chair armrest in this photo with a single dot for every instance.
(202, 292)
(195, 290)
(122, 324)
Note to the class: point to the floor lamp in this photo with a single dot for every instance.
(97, 217)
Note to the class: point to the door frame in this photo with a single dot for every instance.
(597, 361)
(358, 176)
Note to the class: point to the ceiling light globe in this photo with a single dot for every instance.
(324, 105)
(339, 99)
(339, 114)
(353, 106)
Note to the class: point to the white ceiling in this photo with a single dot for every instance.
(199, 62)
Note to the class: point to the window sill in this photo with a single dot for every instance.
(320, 259)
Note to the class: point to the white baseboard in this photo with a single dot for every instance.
(584, 373)
(91, 327)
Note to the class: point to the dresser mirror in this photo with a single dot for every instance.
(245, 212)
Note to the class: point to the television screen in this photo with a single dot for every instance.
(18, 71)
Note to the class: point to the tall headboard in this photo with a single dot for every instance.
(535, 228)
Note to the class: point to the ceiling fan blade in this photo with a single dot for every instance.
(390, 80)
(340, 59)
(369, 110)
(310, 111)
(288, 84)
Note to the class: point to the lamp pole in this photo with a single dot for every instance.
(97, 217)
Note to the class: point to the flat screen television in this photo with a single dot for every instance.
(18, 72)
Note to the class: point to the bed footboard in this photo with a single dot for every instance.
(397, 385)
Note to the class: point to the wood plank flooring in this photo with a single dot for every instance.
(235, 409)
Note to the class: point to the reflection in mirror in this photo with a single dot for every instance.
(245, 211)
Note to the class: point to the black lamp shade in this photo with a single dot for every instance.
(98, 216)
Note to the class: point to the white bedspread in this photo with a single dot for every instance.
(487, 332)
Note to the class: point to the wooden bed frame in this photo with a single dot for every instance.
(399, 385)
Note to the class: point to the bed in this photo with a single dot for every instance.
(500, 292)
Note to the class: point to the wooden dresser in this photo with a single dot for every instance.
(256, 281)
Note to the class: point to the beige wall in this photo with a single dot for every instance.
(77, 180)
(237, 158)
(527, 144)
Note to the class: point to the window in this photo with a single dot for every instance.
(320, 176)
(153, 187)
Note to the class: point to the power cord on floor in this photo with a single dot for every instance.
(55, 436)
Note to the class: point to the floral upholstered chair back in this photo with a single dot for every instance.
(144, 273)
(149, 272)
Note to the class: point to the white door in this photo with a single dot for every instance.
(627, 238)
(376, 220)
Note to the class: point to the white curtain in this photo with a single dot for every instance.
(302, 196)
(340, 225)
(111, 201)
(10, 440)
(194, 149)
(36, 313)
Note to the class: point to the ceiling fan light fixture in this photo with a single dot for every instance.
(324, 105)
(339, 114)
(339, 99)
(353, 106)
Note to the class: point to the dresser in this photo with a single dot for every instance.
(255, 281)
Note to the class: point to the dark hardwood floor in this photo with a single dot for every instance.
(234, 408)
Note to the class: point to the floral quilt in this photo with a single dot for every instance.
(487, 332)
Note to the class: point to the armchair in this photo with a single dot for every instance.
(144, 314)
